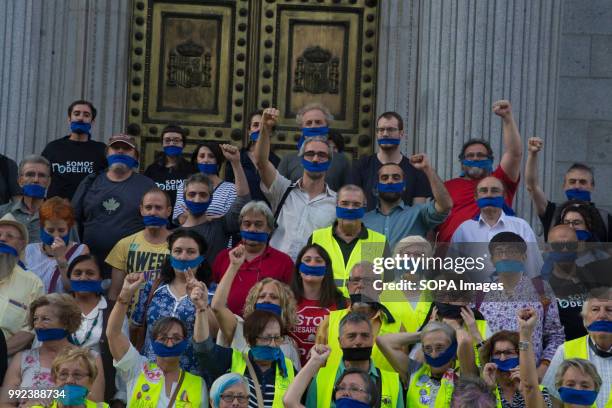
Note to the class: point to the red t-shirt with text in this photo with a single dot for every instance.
(310, 316)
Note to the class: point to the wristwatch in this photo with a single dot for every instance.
(523, 345)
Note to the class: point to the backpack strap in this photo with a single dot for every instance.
(538, 284)
(279, 207)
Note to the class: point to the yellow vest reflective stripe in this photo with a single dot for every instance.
(364, 250)
(379, 358)
(481, 325)
(577, 348)
(281, 383)
(419, 393)
(150, 384)
(402, 310)
(88, 404)
(326, 380)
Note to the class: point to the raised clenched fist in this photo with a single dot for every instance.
(535, 144)
(502, 108)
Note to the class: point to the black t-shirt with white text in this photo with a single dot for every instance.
(71, 162)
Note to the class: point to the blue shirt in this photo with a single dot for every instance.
(404, 220)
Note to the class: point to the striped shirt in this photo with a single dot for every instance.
(222, 199)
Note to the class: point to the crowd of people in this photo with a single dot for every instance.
(236, 278)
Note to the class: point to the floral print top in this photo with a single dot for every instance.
(165, 303)
(32, 374)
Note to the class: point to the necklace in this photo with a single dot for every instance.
(88, 334)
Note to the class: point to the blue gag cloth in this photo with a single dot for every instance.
(195, 208)
(161, 350)
(391, 187)
(600, 326)
(122, 158)
(7, 249)
(394, 141)
(578, 194)
(80, 128)
(350, 213)
(509, 265)
(578, 397)
(173, 150)
(208, 168)
(48, 239)
(34, 191)
(154, 221)
(90, 286)
(184, 265)
(269, 307)
(316, 167)
(507, 364)
(313, 270)
(268, 353)
(444, 357)
(50, 334)
(254, 236)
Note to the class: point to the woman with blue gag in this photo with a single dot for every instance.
(73, 371)
(578, 383)
(54, 318)
(160, 380)
(167, 296)
(49, 259)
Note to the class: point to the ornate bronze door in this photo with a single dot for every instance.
(207, 64)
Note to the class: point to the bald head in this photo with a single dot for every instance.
(562, 233)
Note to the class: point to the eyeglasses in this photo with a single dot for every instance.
(268, 340)
(573, 223)
(505, 353)
(350, 388)
(164, 339)
(242, 399)
(478, 155)
(388, 130)
(560, 246)
(311, 155)
(76, 376)
(438, 349)
(175, 140)
(492, 190)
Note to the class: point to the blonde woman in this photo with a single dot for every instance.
(74, 372)
(267, 294)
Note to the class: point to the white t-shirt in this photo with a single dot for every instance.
(130, 367)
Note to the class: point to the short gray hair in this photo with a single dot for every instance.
(434, 326)
(352, 187)
(330, 149)
(599, 293)
(472, 392)
(34, 159)
(353, 318)
(259, 207)
(585, 366)
(224, 382)
(314, 106)
(198, 178)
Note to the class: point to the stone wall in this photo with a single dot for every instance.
(584, 131)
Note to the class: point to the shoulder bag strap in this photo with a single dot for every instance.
(176, 390)
(258, 394)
